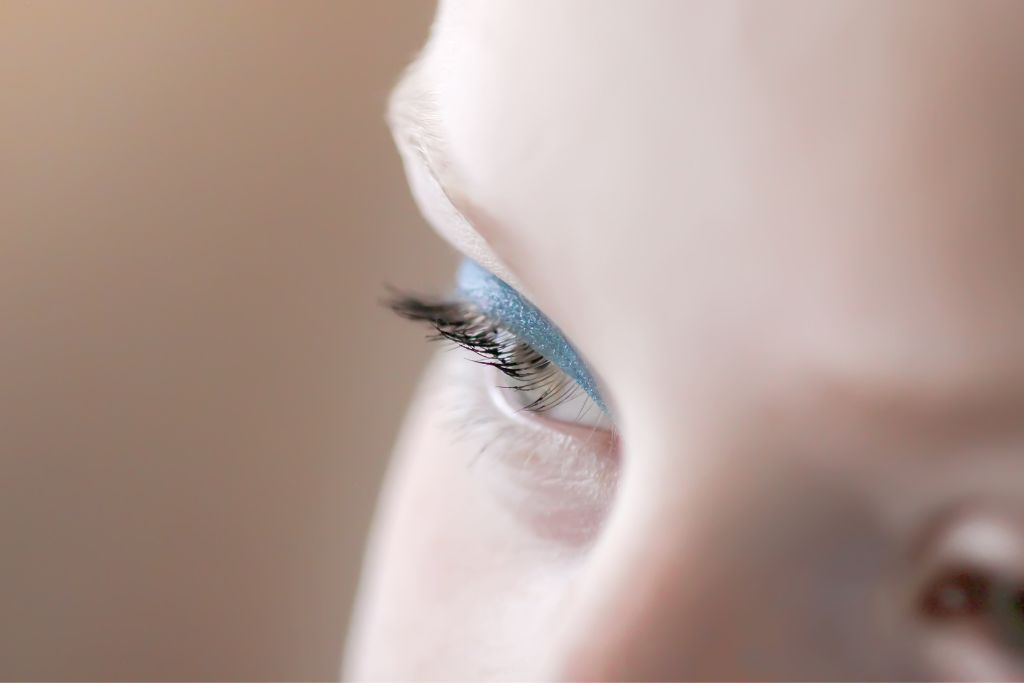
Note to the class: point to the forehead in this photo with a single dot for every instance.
(835, 182)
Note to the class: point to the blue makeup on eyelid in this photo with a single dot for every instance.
(499, 301)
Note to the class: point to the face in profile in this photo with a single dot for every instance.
(740, 392)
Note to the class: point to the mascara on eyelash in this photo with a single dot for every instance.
(500, 301)
(462, 323)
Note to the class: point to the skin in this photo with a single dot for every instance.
(787, 237)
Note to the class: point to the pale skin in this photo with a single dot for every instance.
(788, 239)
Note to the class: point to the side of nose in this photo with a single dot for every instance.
(760, 572)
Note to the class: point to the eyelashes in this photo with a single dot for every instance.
(465, 325)
(506, 331)
(500, 302)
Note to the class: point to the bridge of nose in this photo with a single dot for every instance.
(749, 572)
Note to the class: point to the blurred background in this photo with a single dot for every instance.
(199, 209)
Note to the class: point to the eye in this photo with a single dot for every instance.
(572, 407)
(551, 393)
(542, 372)
(976, 594)
(524, 380)
(551, 446)
(972, 600)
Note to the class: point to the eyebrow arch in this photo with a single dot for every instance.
(413, 117)
(415, 122)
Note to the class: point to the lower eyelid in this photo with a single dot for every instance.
(561, 481)
(599, 438)
(474, 411)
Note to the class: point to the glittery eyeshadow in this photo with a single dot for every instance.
(499, 301)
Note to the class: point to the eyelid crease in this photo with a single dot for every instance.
(498, 300)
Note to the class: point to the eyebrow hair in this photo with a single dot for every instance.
(415, 122)
(413, 117)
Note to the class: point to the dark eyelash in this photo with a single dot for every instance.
(467, 326)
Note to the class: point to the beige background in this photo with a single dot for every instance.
(199, 205)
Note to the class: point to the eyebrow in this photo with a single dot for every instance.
(413, 117)
(415, 122)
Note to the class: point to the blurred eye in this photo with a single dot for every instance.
(973, 599)
(974, 594)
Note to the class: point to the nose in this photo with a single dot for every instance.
(755, 572)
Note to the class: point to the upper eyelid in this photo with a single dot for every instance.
(500, 301)
(414, 120)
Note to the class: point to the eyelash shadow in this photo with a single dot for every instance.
(465, 325)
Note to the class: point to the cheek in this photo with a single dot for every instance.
(454, 586)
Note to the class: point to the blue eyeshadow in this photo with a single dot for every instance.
(499, 301)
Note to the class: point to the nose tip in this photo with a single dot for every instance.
(760, 585)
